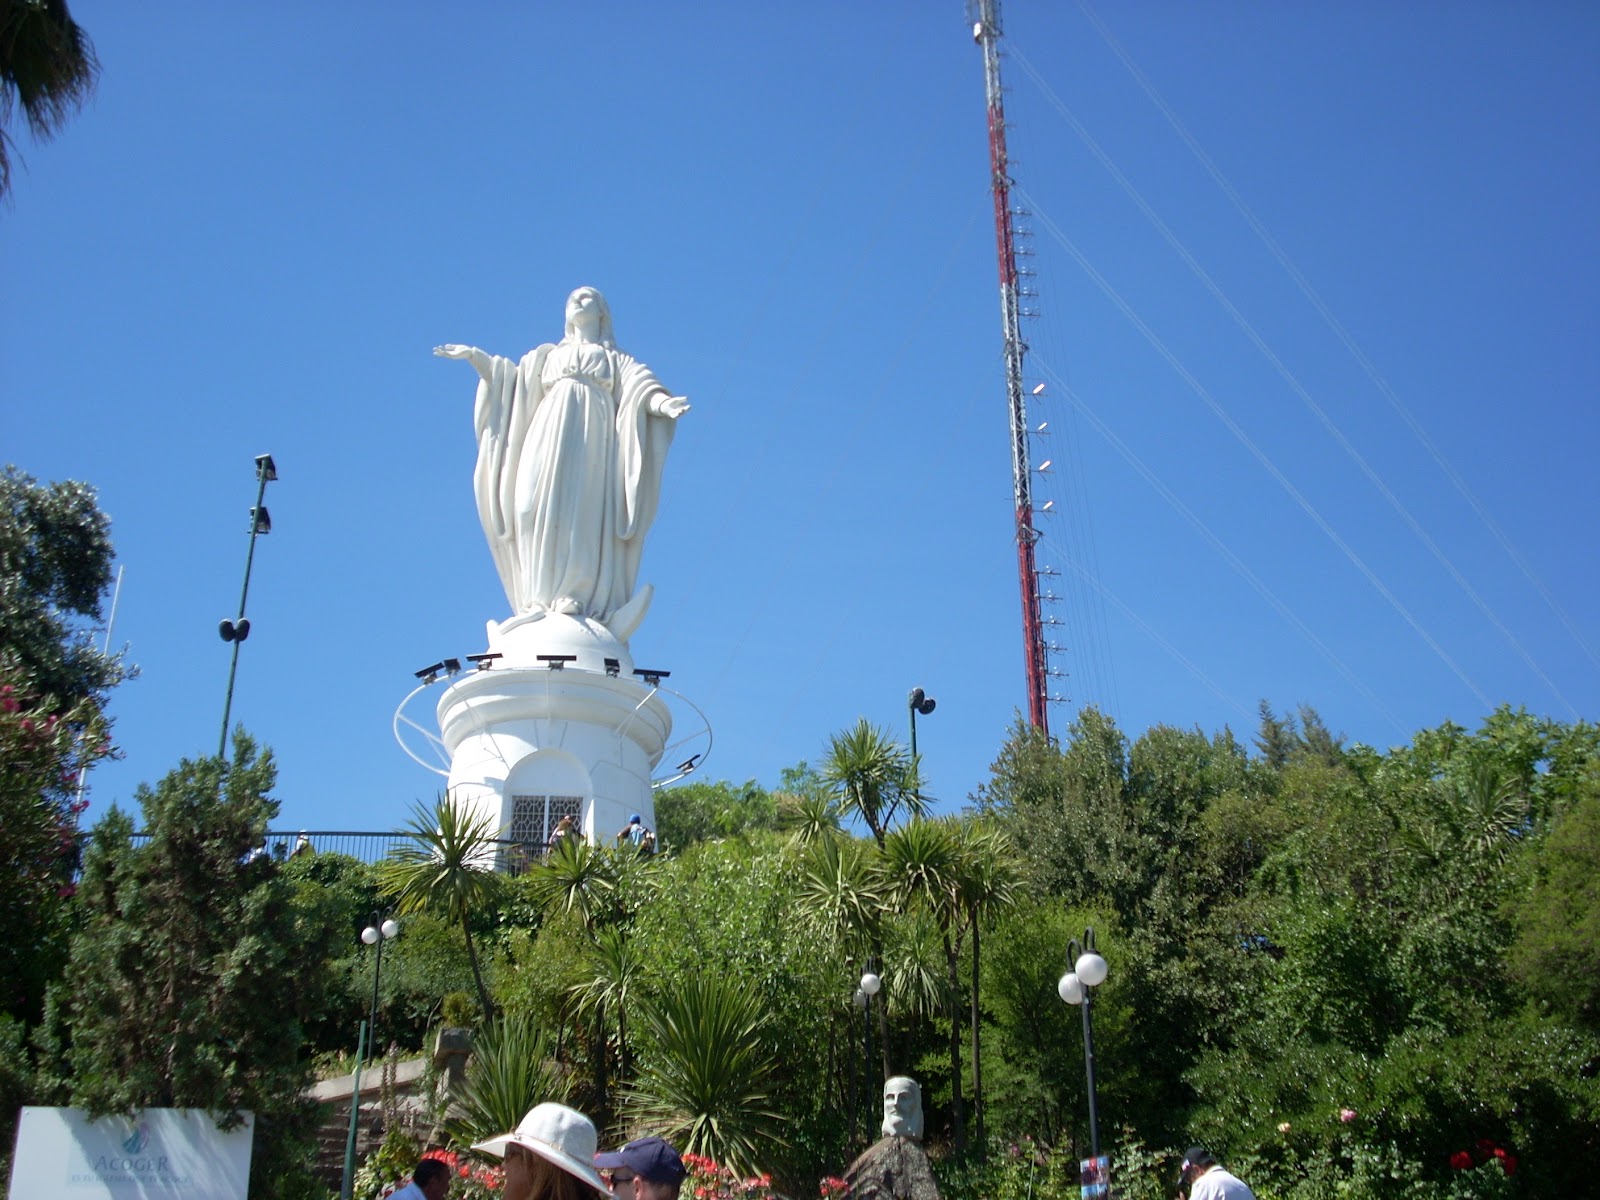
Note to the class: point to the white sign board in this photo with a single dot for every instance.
(169, 1152)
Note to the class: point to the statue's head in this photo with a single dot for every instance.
(902, 1108)
(586, 303)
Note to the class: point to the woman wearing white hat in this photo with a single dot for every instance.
(549, 1155)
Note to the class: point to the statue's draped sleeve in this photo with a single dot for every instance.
(642, 446)
(504, 407)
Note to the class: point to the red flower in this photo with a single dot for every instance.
(1461, 1160)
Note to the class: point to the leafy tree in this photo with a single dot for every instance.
(47, 65)
(1275, 737)
(1035, 1055)
(696, 812)
(580, 878)
(544, 966)
(730, 910)
(332, 896)
(55, 567)
(427, 962)
(189, 976)
(44, 754)
(447, 869)
(1556, 950)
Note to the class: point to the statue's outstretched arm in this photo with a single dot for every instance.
(481, 362)
(669, 406)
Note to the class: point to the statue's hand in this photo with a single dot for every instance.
(481, 362)
(673, 406)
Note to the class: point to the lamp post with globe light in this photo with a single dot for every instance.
(375, 934)
(871, 985)
(1077, 986)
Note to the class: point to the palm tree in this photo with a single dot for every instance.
(986, 881)
(449, 869)
(1492, 812)
(577, 877)
(614, 970)
(841, 890)
(703, 1079)
(919, 986)
(810, 817)
(873, 777)
(600, 886)
(922, 863)
(47, 65)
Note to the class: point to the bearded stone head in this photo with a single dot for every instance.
(902, 1108)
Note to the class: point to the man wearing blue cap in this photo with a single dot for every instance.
(645, 1169)
(638, 835)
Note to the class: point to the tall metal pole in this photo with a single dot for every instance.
(986, 31)
(355, 1112)
(236, 631)
(866, 1081)
(1088, 1062)
(369, 1025)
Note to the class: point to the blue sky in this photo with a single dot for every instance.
(268, 215)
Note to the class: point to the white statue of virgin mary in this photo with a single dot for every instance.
(571, 444)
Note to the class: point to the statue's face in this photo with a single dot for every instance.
(584, 310)
(902, 1108)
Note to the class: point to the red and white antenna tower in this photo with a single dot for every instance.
(985, 16)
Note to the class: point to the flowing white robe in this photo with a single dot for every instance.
(569, 475)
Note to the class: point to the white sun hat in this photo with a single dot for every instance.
(558, 1134)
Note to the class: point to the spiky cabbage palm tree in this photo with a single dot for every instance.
(919, 985)
(809, 818)
(510, 1071)
(47, 65)
(873, 776)
(922, 864)
(842, 890)
(704, 1072)
(614, 970)
(986, 881)
(577, 877)
(448, 868)
(601, 887)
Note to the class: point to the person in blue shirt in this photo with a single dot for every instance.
(638, 835)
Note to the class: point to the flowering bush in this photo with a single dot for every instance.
(708, 1180)
(473, 1180)
(1483, 1152)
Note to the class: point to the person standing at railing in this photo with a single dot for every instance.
(564, 829)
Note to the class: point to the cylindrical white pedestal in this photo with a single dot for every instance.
(528, 744)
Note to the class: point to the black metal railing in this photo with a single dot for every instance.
(511, 858)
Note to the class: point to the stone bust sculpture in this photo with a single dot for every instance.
(572, 440)
(902, 1108)
(895, 1167)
